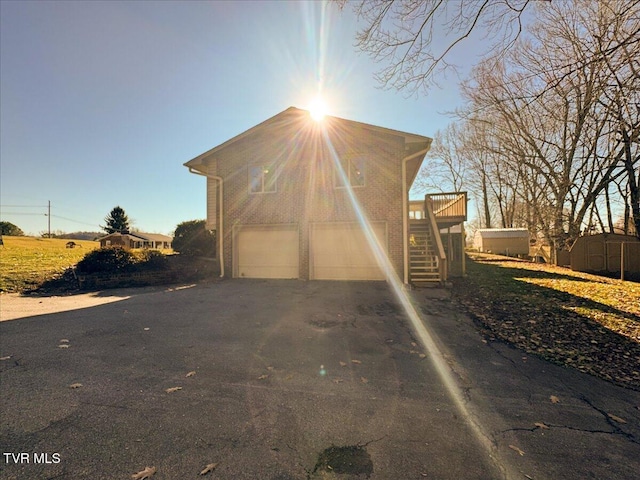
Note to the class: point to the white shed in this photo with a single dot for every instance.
(502, 241)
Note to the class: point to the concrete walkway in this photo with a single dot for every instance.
(293, 380)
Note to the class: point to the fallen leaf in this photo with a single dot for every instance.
(422, 355)
(357, 362)
(64, 340)
(64, 345)
(144, 474)
(616, 418)
(414, 344)
(337, 380)
(190, 374)
(413, 351)
(271, 369)
(209, 468)
(263, 376)
(173, 389)
(513, 447)
(364, 380)
(541, 425)
(343, 364)
(289, 377)
(75, 385)
(554, 399)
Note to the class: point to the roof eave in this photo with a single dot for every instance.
(196, 163)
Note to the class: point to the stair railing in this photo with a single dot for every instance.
(442, 257)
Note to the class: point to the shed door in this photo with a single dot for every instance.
(596, 254)
(340, 251)
(269, 251)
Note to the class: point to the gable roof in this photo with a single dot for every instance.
(292, 117)
(156, 237)
(503, 232)
(150, 237)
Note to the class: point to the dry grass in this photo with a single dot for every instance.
(26, 262)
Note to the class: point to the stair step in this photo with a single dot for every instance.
(423, 264)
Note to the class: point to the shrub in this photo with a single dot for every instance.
(152, 260)
(107, 260)
(9, 229)
(192, 238)
(118, 260)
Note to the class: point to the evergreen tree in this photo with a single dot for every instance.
(117, 221)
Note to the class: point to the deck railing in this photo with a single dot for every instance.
(448, 205)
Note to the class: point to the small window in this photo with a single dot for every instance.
(262, 179)
(353, 169)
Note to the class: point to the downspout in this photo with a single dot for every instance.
(405, 213)
(220, 234)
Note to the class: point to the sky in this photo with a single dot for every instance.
(101, 103)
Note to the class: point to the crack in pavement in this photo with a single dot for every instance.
(610, 421)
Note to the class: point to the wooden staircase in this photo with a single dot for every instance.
(428, 260)
(424, 263)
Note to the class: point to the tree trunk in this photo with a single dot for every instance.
(485, 200)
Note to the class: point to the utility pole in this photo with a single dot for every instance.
(49, 219)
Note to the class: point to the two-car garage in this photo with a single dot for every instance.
(337, 251)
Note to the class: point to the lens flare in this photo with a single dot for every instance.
(318, 108)
(426, 338)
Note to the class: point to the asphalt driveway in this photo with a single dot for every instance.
(292, 380)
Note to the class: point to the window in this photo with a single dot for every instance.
(353, 169)
(262, 179)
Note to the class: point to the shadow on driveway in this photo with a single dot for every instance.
(271, 380)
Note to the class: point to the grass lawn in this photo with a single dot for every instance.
(585, 321)
(26, 262)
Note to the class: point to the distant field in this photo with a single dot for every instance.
(25, 262)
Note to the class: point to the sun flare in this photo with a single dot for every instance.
(318, 108)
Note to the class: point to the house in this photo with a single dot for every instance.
(502, 241)
(129, 240)
(298, 198)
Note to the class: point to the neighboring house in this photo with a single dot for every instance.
(296, 198)
(129, 240)
(502, 241)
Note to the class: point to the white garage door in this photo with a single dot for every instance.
(341, 251)
(269, 251)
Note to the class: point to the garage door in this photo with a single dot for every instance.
(341, 252)
(266, 251)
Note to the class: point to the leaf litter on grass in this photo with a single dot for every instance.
(588, 322)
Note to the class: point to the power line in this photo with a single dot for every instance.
(19, 214)
(49, 215)
(76, 221)
(23, 206)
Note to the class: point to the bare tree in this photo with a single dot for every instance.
(448, 150)
(414, 39)
(557, 104)
(551, 101)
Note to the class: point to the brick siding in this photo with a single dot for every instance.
(305, 183)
